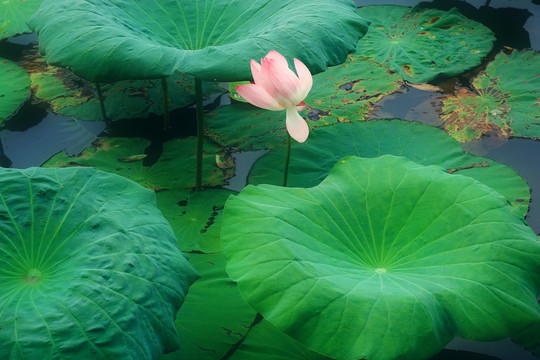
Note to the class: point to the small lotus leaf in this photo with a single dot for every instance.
(175, 168)
(421, 45)
(195, 218)
(503, 102)
(90, 268)
(106, 41)
(15, 88)
(385, 259)
(214, 317)
(70, 95)
(13, 16)
(311, 161)
(342, 93)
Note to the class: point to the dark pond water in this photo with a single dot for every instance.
(34, 134)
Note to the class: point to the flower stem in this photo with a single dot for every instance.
(200, 131)
(102, 104)
(287, 159)
(166, 116)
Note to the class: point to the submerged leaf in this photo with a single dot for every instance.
(90, 268)
(385, 259)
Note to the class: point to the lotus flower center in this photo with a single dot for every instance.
(380, 270)
(33, 277)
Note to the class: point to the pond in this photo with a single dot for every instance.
(35, 133)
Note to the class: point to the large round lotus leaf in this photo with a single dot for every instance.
(311, 161)
(72, 96)
(421, 45)
(214, 317)
(195, 218)
(175, 168)
(105, 41)
(90, 268)
(13, 16)
(503, 101)
(15, 88)
(342, 93)
(385, 259)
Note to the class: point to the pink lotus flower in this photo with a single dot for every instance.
(276, 87)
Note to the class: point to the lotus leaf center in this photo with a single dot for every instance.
(380, 270)
(33, 277)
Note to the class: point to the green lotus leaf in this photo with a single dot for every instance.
(529, 339)
(15, 88)
(13, 16)
(385, 259)
(175, 168)
(214, 317)
(503, 100)
(266, 342)
(421, 45)
(311, 161)
(90, 268)
(72, 96)
(195, 218)
(343, 93)
(213, 40)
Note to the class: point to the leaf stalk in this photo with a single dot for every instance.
(200, 131)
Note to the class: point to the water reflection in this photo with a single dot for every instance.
(33, 145)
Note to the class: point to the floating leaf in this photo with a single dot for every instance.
(529, 339)
(342, 93)
(133, 158)
(70, 95)
(15, 88)
(90, 268)
(214, 316)
(266, 342)
(421, 45)
(311, 161)
(385, 259)
(13, 16)
(195, 218)
(175, 168)
(233, 93)
(503, 100)
(213, 40)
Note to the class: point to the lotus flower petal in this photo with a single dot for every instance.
(286, 83)
(296, 125)
(277, 87)
(258, 96)
(304, 75)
